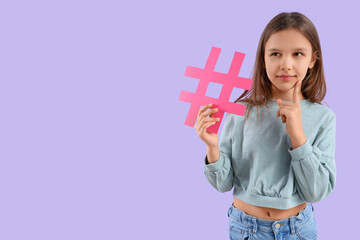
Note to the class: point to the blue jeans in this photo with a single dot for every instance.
(243, 226)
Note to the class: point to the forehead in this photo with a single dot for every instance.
(288, 39)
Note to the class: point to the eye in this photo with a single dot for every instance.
(272, 54)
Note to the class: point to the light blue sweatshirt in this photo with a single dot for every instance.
(256, 158)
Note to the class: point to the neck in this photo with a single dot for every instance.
(285, 96)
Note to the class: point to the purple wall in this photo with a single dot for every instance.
(93, 142)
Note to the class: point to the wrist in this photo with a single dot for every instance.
(211, 147)
(297, 140)
(212, 153)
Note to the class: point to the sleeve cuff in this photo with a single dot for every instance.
(216, 166)
(301, 152)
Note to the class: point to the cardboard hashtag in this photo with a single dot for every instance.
(207, 75)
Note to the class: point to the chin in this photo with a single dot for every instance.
(283, 88)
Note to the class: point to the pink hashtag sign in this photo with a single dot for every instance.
(207, 75)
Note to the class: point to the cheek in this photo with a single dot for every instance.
(301, 72)
(271, 70)
(270, 66)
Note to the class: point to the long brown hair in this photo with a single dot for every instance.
(313, 86)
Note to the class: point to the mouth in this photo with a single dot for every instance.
(285, 77)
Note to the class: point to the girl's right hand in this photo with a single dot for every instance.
(203, 122)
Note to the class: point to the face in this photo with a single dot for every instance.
(287, 53)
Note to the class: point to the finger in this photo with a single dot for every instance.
(283, 104)
(281, 111)
(203, 112)
(199, 116)
(204, 108)
(209, 112)
(208, 119)
(297, 92)
(279, 102)
(205, 126)
(285, 112)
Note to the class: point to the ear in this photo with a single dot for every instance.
(313, 60)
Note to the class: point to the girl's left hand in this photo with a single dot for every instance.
(290, 112)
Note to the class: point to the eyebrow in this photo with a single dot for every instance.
(296, 49)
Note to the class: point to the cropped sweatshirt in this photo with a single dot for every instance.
(257, 160)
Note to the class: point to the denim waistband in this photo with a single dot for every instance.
(287, 224)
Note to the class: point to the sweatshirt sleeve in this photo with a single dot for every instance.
(314, 165)
(220, 173)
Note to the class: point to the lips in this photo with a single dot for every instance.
(286, 77)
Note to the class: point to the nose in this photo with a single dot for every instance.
(285, 63)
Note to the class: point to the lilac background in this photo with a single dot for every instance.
(93, 142)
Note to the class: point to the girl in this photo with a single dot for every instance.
(281, 157)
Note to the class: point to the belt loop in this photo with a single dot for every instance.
(312, 207)
(255, 225)
(292, 219)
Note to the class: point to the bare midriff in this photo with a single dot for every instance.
(268, 213)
